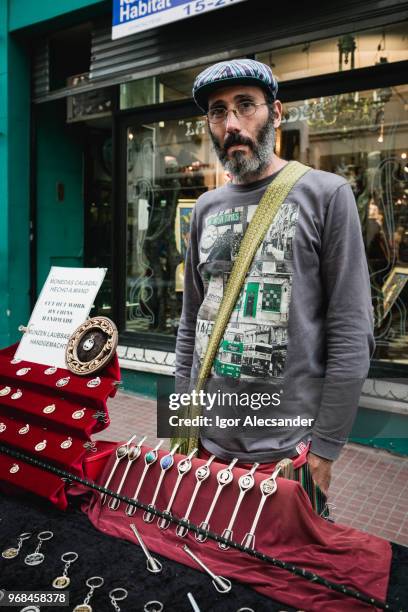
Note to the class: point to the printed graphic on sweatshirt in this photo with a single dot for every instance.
(255, 341)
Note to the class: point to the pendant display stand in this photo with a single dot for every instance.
(49, 414)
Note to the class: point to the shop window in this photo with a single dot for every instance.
(354, 50)
(163, 88)
(169, 165)
(363, 137)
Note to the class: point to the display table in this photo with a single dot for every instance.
(122, 564)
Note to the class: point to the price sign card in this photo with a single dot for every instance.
(64, 303)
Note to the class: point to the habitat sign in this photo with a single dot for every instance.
(131, 16)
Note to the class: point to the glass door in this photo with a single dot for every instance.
(168, 163)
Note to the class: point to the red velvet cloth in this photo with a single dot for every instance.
(39, 390)
(288, 529)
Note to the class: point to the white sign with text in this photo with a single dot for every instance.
(63, 304)
(133, 16)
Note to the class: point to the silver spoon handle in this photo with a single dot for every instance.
(157, 488)
(192, 500)
(200, 563)
(139, 539)
(173, 495)
(234, 514)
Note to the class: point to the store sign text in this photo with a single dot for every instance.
(131, 16)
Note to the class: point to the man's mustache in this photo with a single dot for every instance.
(236, 139)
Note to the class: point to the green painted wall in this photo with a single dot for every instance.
(14, 183)
(19, 187)
(4, 234)
(59, 160)
(24, 13)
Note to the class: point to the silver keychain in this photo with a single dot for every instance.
(36, 557)
(153, 606)
(222, 585)
(183, 468)
(61, 582)
(121, 452)
(133, 454)
(11, 553)
(201, 474)
(268, 488)
(116, 595)
(224, 478)
(246, 482)
(153, 565)
(93, 583)
(149, 458)
(166, 463)
(30, 608)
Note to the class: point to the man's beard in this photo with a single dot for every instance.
(246, 168)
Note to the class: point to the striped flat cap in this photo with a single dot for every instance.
(233, 72)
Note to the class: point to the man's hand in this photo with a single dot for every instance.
(320, 470)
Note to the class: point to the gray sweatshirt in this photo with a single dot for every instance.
(302, 325)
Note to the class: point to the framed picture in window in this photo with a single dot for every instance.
(393, 286)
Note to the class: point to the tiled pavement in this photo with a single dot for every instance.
(369, 490)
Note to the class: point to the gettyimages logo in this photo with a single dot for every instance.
(208, 401)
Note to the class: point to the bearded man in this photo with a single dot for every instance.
(304, 313)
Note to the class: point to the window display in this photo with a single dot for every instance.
(362, 136)
(169, 165)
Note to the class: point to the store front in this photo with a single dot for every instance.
(147, 157)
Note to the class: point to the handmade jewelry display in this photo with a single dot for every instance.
(95, 582)
(121, 453)
(116, 595)
(46, 414)
(201, 474)
(36, 557)
(153, 565)
(133, 454)
(223, 585)
(268, 488)
(183, 467)
(166, 463)
(150, 458)
(11, 553)
(62, 582)
(245, 482)
(224, 478)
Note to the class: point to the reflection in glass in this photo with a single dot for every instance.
(357, 50)
(363, 137)
(169, 164)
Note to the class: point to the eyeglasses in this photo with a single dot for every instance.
(218, 114)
